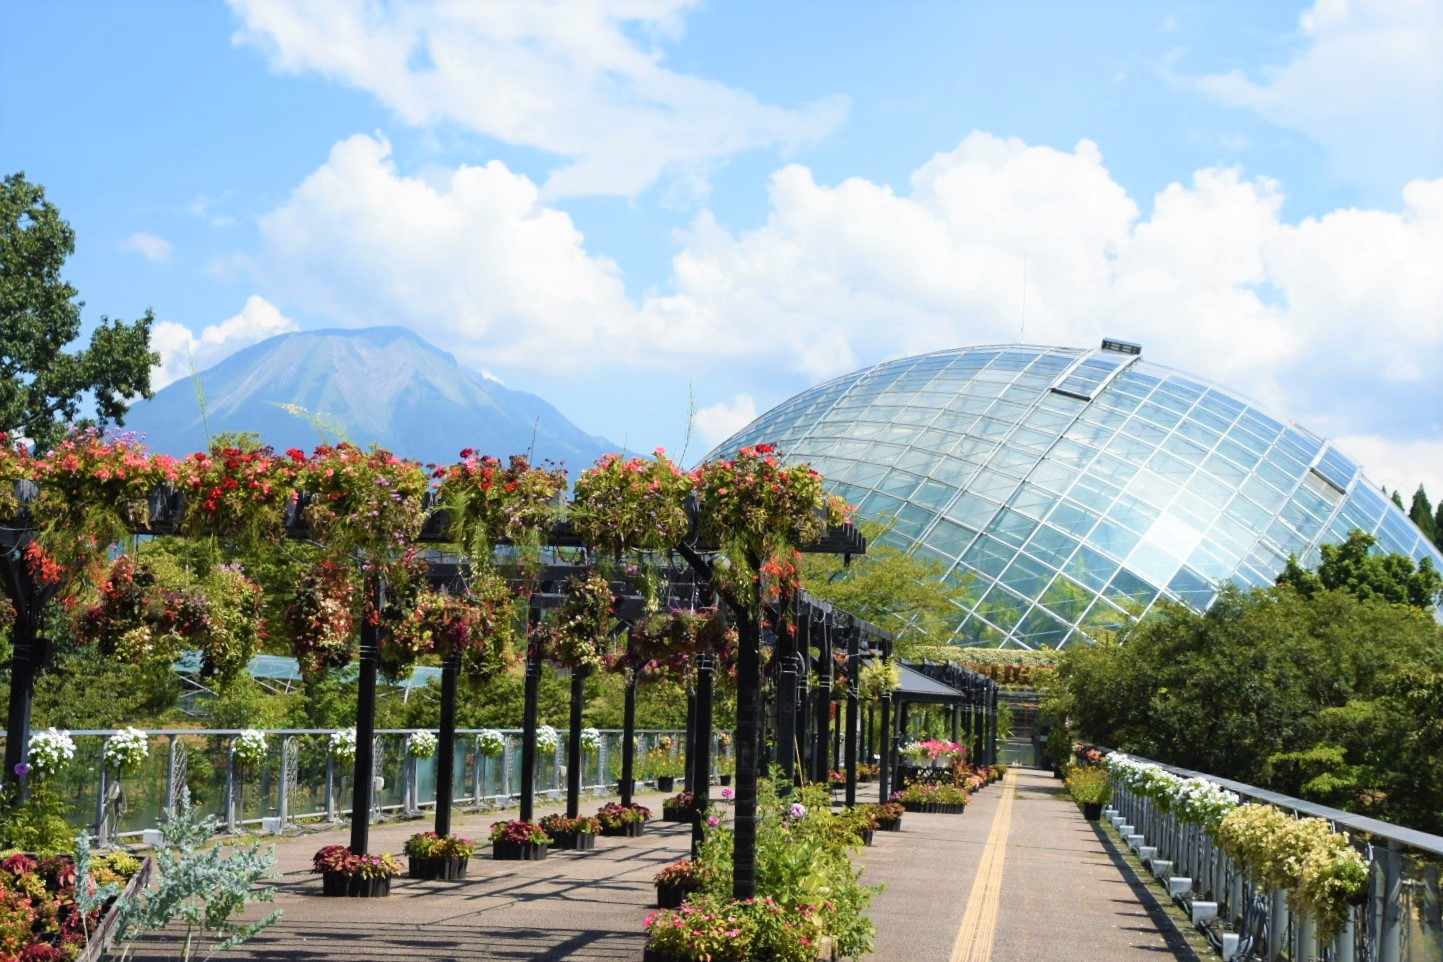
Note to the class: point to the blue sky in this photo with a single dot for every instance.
(620, 205)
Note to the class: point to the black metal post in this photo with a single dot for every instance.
(822, 738)
(29, 650)
(628, 740)
(701, 763)
(528, 724)
(955, 711)
(574, 761)
(744, 816)
(786, 661)
(688, 775)
(446, 744)
(992, 738)
(884, 742)
(854, 662)
(363, 785)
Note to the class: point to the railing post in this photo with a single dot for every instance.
(330, 782)
(101, 839)
(172, 772)
(230, 788)
(283, 805)
(1390, 912)
(1277, 923)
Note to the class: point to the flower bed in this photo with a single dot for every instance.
(572, 834)
(39, 917)
(433, 856)
(622, 820)
(934, 799)
(519, 840)
(345, 874)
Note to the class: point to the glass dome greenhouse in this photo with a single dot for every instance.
(1071, 488)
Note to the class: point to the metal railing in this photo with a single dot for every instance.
(300, 779)
(1398, 920)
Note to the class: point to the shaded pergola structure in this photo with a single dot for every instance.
(968, 698)
(31, 652)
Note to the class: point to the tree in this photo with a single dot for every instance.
(1350, 566)
(41, 386)
(1421, 514)
(893, 590)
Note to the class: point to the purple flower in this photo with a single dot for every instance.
(798, 809)
(712, 821)
(728, 794)
(22, 769)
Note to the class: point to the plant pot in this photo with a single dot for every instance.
(1092, 811)
(437, 867)
(866, 834)
(724, 779)
(671, 896)
(519, 851)
(629, 830)
(687, 815)
(621, 788)
(574, 841)
(339, 884)
(665, 783)
(890, 826)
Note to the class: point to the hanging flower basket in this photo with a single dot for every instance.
(620, 505)
(422, 744)
(490, 743)
(577, 633)
(487, 502)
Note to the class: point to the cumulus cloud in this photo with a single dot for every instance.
(1367, 86)
(583, 81)
(183, 352)
(1332, 321)
(720, 421)
(154, 249)
(1399, 465)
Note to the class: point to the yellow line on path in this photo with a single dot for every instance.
(979, 921)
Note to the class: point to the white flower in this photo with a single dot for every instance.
(343, 744)
(490, 742)
(49, 751)
(250, 747)
(590, 739)
(126, 749)
(547, 741)
(422, 744)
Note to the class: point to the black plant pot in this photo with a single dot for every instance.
(866, 834)
(724, 779)
(505, 851)
(687, 815)
(574, 841)
(438, 867)
(1092, 811)
(665, 783)
(671, 896)
(890, 826)
(341, 885)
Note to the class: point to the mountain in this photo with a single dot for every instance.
(382, 384)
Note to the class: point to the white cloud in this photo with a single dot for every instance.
(1333, 321)
(721, 420)
(584, 81)
(1367, 86)
(152, 248)
(182, 352)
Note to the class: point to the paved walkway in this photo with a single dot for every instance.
(1021, 877)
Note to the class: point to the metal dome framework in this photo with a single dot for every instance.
(1075, 487)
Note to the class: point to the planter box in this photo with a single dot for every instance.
(665, 783)
(936, 808)
(519, 851)
(437, 867)
(341, 885)
(574, 841)
(687, 815)
(890, 826)
(105, 932)
(629, 830)
(671, 896)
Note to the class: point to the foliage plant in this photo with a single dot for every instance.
(547, 740)
(1089, 784)
(237, 493)
(921, 793)
(478, 624)
(343, 745)
(371, 502)
(36, 824)
(126, 749)
(50, 751)
(250, 747)
(321, 617)
(43, 915)
(554, 825)
(685, 874)
(519, 832)
(488, 502)
(341, 860)
(431, 845)
(490, 742)
(202, 885)
(614, 815)
(625, 505)
(577, 632)
(422, 744)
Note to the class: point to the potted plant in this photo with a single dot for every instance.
(344, 873)
(126, 750)
(675, 882)
(519, 840)
(435, 856)
(490, 743)
(622, 820)
(936, 799)
(577, 834)
(250, 748)
(422, 744)
(888, 816)
(680, 807)
(1090, 788)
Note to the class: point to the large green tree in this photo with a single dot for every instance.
(1421, 514)
(1352, 566)
(42, 386)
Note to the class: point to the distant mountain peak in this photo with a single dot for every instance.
(385, 385)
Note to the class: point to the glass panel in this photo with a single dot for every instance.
(1051, 546)
(972, 511)
(1114, 538)
(1041, 630)
(1012, 528)
(988, 557)
(1027, 577)
(1072, 518)
(1067, 599)
(1091, 568)
(1193, 589)
(899, 484)
(949, 538)
(1130, 592)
